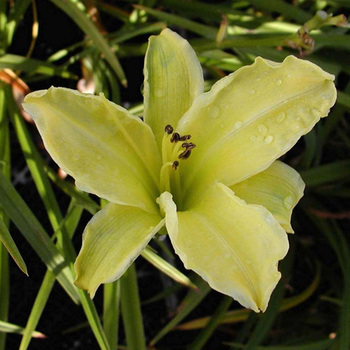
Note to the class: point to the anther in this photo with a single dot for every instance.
(188, 145)
(175, 137)
(184, 137)
(185, 154)
(175, 165)
(169, 129)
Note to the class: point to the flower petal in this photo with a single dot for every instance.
(173, 78)
(234, 246)
(112, 240)
(278, 188)
(108, 151)
(252, 117)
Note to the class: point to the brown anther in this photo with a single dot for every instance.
(169, 129)
(188, 145)
(175, 137)
(185, 154)
(184, 137)
(175, 165)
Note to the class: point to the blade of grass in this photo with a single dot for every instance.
(11, 247)
(188, 304)
(319, 345)
(31, 65)
(289, 11)
(75, 10)
(5, 168)
(335, 236)
(47, 284)
(214, 321)
(3, 21)
(37, 309)
(331, 172)
(195, 27)
(266, 320)
(131, 310)
(111, 312)
(16, 13)
(167, 268)
(7, 327)
(20, 214)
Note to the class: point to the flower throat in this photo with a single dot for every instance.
(175, 148)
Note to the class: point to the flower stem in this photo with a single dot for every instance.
(131, 311)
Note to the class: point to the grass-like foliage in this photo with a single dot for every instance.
(99, 47)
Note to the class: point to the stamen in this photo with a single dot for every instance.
(169, 129)
(175, 164)
(188, 145)
(184, 137)
(175, 137)
(185, 154)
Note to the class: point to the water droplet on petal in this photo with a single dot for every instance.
(268, 139)
(252, 91)
(288, 201)
(281, 117)
(213, 112)
(252, 138)
(279, 82)
(269, 219)
(238, 124)
(262, 128)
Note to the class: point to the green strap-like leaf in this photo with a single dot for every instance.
(18, 211)
(75, 9)
(11, 247)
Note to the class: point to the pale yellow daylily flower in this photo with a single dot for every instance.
(201, 164)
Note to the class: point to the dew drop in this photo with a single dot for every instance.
(288, 201)
(159, 93)
(268, 139)
(252, 91)
(279, 82)
(213, 112)
(281, 117)
(262, 129)
(252, 138)
(238, 124)
(269, 219)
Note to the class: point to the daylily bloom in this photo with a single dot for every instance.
(202, 165)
